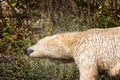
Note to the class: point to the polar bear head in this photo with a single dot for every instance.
(56, 47)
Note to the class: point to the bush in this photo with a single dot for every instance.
(13, 64)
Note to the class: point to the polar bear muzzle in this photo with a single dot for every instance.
(28, 51)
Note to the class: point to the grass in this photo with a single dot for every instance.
(51, 71)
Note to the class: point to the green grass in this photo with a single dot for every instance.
(46, 70)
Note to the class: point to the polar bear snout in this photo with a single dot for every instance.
(28, 51)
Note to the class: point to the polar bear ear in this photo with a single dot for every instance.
(28, 51)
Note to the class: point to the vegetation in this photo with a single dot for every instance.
(21, 20)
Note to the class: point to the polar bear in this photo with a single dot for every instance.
(95, 51)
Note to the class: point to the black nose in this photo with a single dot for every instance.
(28, 51)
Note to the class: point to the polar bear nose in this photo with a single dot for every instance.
(28, 51)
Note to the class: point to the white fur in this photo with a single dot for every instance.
(93, 50)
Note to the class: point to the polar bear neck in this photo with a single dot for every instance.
(61, 45)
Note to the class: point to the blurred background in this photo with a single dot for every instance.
(23, 22)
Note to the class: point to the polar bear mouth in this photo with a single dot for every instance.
(62, 60)
(59, 60)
